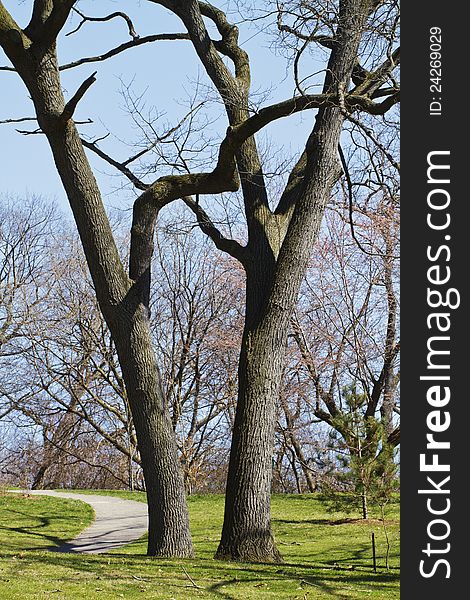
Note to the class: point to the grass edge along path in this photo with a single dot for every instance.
(117, 522)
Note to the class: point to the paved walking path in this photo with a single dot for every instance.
(117, 522)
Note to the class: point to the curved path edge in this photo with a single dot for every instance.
(117, 522)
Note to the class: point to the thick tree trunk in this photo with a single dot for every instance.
(246, 534)
(127, 318)
(273, 284)
(168, 520)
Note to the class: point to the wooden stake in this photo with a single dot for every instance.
(373, 552)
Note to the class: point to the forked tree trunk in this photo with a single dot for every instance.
(246, 534)
(272, 290)
(273, 283)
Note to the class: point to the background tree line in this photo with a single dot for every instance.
(65, 415)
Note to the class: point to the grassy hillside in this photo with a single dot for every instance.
(327, 555)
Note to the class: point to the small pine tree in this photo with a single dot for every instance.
(367, 465)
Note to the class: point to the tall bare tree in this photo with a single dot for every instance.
(280, 239)
(123, 298)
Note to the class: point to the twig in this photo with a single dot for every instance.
(163, 137)
(370, 135)
(35, 132)
(139, 578)
(350, 203)
(303, 582)
(21, 120)
(191, 579)
(140, 185)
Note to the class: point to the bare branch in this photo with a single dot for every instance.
(374, 80)
(191, 579)
(21, 120)
(323, 40)
(350, 203)
(71, 105)
(370, 134)
(122, 48)
(26, 132)
(114, 15)
(140, 185)
(224, 177)
(165, 136)
(307, 357)
(361, 102)
(390, 91)
(206, 225)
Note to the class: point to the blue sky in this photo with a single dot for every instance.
(167, 70)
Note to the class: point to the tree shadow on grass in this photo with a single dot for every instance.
(333, 522)
(333, 585)
(357, 567)
(216, 589)
(331, 581)
(337, 585)
(32, 530)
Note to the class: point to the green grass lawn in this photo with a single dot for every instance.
(327, 555)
